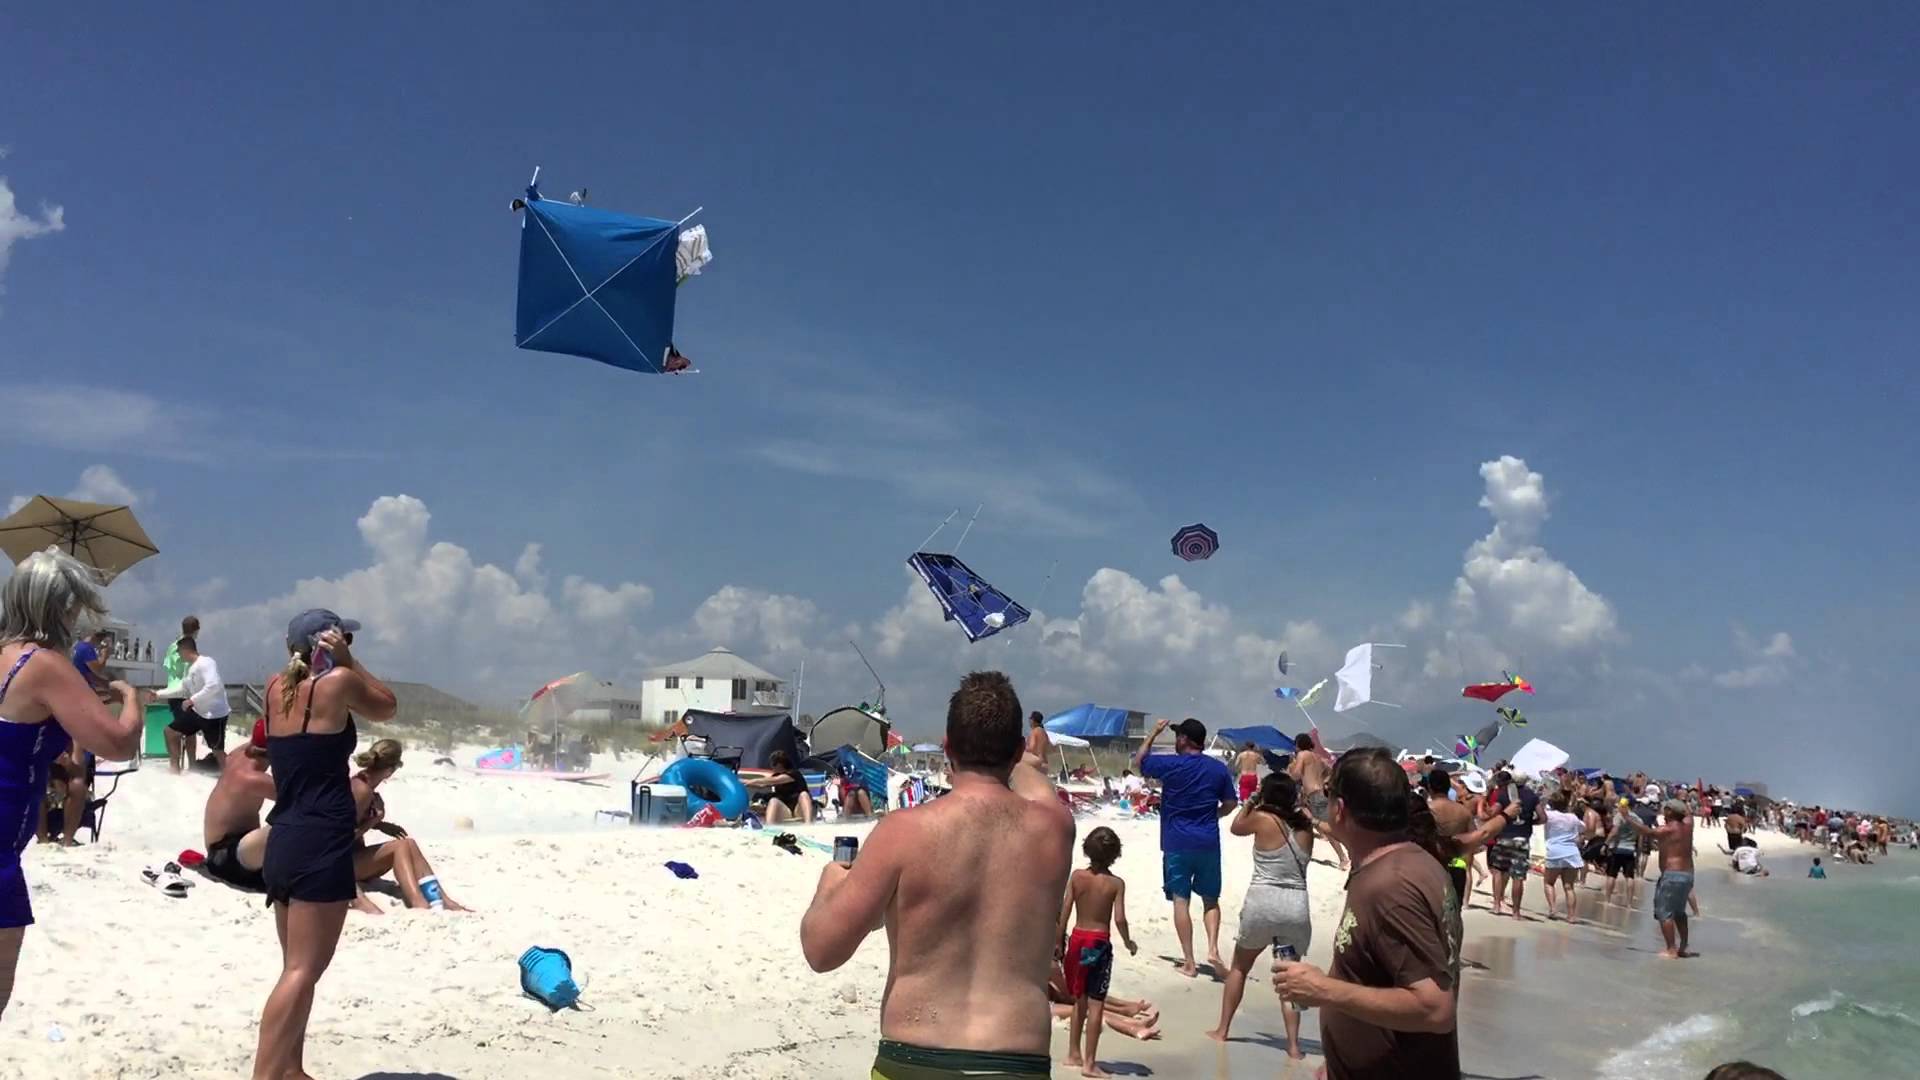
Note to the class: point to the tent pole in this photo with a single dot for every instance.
(963, 533)
(936, 531)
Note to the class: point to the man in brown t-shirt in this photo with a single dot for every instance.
(1388, 998)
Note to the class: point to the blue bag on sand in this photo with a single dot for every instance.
(547, 974)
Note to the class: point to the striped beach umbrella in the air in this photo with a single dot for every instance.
(1196, 542)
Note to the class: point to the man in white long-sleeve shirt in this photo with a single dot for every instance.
(205, 706)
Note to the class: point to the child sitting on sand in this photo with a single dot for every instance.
(1100, 897)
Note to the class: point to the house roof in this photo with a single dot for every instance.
(717, 663)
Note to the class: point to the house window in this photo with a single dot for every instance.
(764, 686)
(699, 683)
(670, 717)
(739, 689)
(673, 682)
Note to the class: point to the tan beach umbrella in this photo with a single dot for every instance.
(107, 538)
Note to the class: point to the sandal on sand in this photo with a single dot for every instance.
(167, 881)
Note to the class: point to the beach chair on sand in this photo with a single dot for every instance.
(95, 818)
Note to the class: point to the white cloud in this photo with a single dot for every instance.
(1768, 663)
(16, 226)
(431, 611)
(83, 417)
(98, 483)
(1509, 589)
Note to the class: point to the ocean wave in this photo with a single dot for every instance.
(1837, 1000)
(1663, 1053)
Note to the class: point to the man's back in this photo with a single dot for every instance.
(234, 804)
(1192, 789)
(973, 920)
(1248, 763)
(1310, 772)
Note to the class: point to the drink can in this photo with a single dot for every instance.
(845, 848)
(1287, 954)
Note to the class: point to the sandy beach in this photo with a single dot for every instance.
(695, 978)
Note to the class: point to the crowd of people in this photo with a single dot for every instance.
(60, 708)
(990, 861)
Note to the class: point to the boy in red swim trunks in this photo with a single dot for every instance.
(1099, 898)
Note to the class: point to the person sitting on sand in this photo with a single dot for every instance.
(1096, 900)
(1136, 1019)
(1816, 871)
(401, 856)
(1671, 892)
(69, 790)
(236, 841)
(785, 789)
(968, 887)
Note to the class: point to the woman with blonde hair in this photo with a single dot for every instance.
(44, 703)
(401, 856)
(309, 861)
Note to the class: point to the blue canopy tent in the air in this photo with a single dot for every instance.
(1089, 721)
(597, 284)
(979, 608)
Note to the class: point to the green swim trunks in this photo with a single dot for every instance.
(904, 1061)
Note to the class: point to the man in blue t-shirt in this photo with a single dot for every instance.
(1196, 791)
(90, 657)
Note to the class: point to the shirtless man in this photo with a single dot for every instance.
(1246, 767)
(1039, 743)
(1453, 819)
(1309, 771)
(236, 841)
(968, 888)
(1675, 839)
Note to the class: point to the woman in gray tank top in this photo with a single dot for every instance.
(1275, 911)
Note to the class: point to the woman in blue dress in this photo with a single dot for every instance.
(48, 594)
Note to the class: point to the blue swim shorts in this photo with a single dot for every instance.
(1185, 873)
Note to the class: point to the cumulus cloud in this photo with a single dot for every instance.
(1767, 663)
(98, 483)
(431, 610)
(1512, 598)
(1153, 646)
(16, 225)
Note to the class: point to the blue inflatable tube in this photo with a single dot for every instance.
(708, 783)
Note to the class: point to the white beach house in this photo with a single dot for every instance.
(717, 681)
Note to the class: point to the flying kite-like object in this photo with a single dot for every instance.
(602, 285)
(1283, 661)
(979, 608)
(1195, 543)
(1493, 691)
(1355, 677)
(1469, 746)
(1286, 693)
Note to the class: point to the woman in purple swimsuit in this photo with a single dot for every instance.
(46, 595)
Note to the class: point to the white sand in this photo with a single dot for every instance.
(698, 978)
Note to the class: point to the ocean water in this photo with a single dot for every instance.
(1824, 978)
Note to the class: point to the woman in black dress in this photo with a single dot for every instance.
(309, 861)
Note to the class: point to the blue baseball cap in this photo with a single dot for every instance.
(307, 624)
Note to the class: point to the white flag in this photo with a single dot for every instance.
(1313, 694)
(1355, 678)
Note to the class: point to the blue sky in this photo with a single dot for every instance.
(1295, 274)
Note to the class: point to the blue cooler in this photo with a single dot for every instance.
(659, 804)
